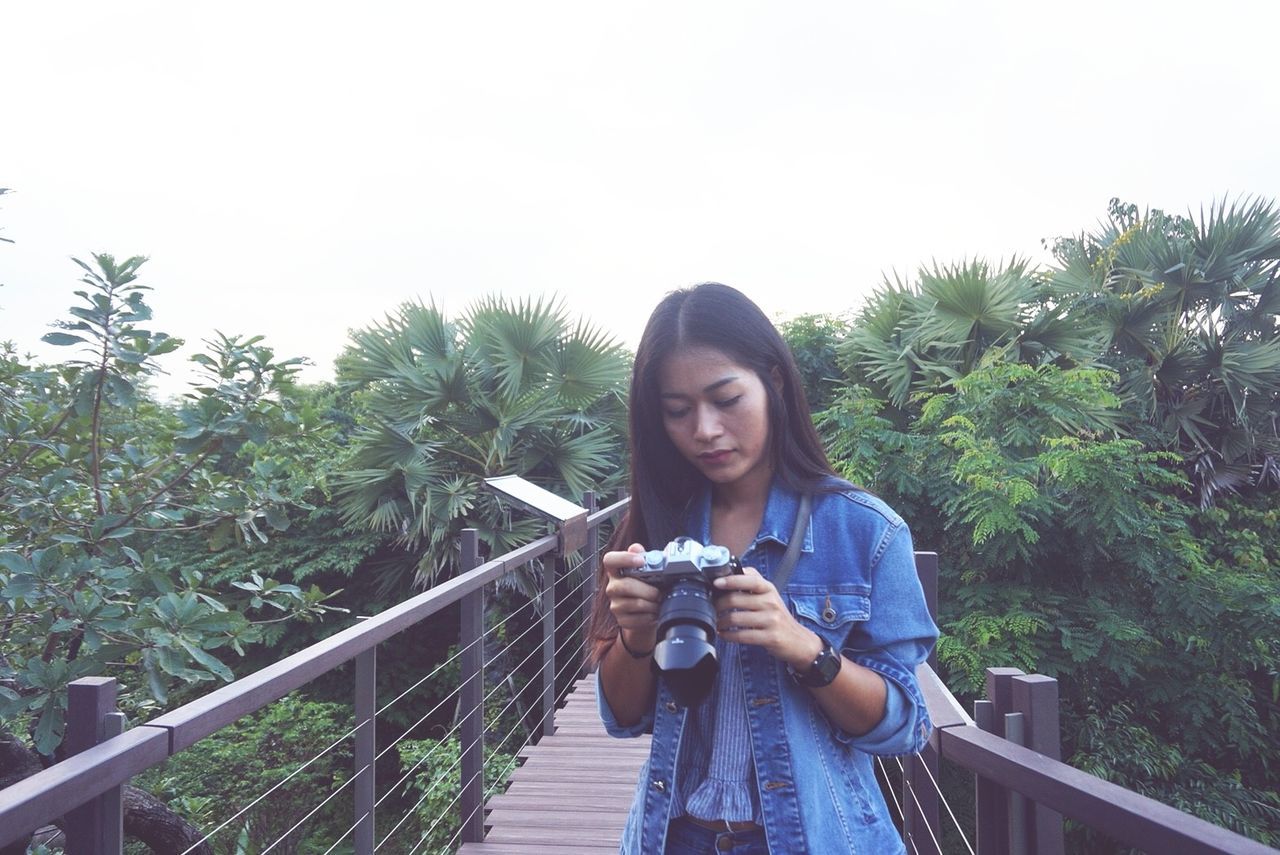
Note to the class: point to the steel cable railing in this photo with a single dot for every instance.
(447, 811)
(500, 779)
(315, 810)
(888, 786)
(920, 813)
(242, 811)
(459, 652)
(443, 776)
(310, 761)
(431, 789)
(268, 792)
(487, 634)
(502, 776)
(947, 805)
(578, 652)
(457, 724)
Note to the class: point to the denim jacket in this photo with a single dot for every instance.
(855, 585)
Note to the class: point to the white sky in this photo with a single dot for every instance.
(300, 169)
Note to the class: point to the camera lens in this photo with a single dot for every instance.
(686, 650)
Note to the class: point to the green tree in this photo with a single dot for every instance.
(1069, 551)
(94, 473)
(508, 388)
(920, 337)
(815, 341)
(1189, 311)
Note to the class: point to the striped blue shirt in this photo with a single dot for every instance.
(718, 775)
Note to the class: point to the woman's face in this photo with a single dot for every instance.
(716, 413)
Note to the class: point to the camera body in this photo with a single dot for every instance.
(684, 559)
(685, 653)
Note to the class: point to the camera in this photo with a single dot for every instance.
(686, 649)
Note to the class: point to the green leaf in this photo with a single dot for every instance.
(207, 660)
(20, 587)
(68, 538)
(15, 562)
(48, 731)
(61, 339)
(277, 518)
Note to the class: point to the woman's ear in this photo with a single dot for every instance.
(775, 374)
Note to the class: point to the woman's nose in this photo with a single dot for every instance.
(707, 425)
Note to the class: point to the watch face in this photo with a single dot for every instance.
(825, 667)
(823, 670)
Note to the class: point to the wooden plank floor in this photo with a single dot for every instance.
(571, 794)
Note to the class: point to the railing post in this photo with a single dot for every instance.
(1015, 732)
(590, 566)
(1036, 697)
(992, 800)
(366, 749)
(550, 571)
(919, 797)
(95, 827)
(471, 799)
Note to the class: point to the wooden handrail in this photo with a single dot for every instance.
(1122, 814)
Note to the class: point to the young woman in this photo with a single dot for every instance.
(813, 679)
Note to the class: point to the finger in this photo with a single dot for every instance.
(630, 586)
(748, 620)
(615, 562)
(749, 580)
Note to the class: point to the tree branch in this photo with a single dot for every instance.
(151, 500)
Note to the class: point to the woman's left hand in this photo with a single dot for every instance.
(751, 611)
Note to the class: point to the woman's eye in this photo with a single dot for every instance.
(729, 402)
(675, 414)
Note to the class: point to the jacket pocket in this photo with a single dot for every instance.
(830, 611)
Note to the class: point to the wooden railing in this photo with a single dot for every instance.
(1022, 789)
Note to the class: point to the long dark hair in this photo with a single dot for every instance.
(662, 482)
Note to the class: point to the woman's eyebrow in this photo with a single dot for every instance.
(707, 390)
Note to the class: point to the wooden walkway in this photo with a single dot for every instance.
(572, 793)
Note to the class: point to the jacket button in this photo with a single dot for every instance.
(660, 785)
(671, 706)
(829, 615)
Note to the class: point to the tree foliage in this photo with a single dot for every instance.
(94, 471)
(1070, 551)
(919, 337)
(508, 388)
(815, 341)
(1189, 312)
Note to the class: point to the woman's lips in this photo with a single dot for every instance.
(714, 458)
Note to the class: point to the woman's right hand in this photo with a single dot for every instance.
(632, 602)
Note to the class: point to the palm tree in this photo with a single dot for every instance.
(912, 338)
(508, 388)
(1190, 312)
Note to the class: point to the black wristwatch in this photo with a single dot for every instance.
(823, 670)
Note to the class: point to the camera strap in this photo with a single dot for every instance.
(792, 554)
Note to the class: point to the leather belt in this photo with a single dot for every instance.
(723, 825)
